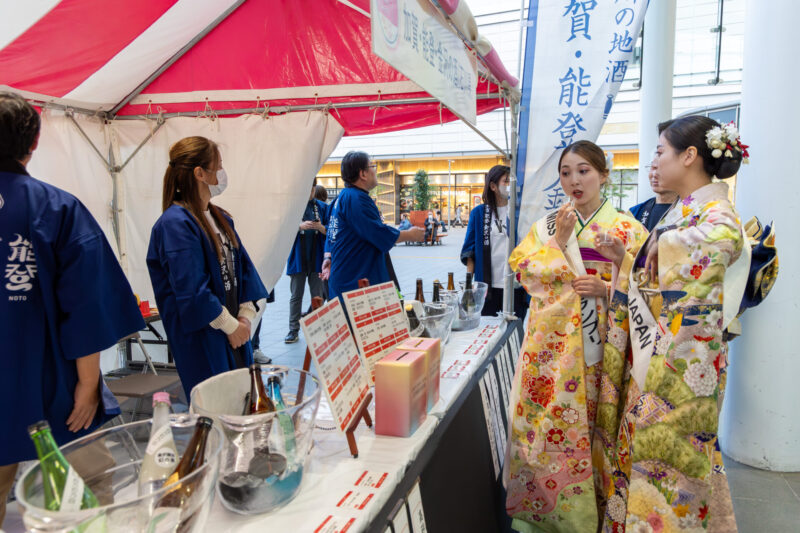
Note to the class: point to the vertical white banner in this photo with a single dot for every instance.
(579, 51)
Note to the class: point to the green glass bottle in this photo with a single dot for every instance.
(64, 489)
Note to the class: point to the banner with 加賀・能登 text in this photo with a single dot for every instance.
(576, 56)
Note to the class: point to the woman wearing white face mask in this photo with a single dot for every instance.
(204, 282)
(485, 250)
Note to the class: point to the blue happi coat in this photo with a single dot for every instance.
(357, 240)
(63, 296)
(189, 291)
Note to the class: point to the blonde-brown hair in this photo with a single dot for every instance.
(182, 188)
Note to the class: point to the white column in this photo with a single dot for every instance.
(655, 101)
(760, 420)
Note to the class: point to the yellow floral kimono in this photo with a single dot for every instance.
(664, 367)
(549, 468)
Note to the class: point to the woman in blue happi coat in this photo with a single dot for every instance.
(205, 284)
(485, 249)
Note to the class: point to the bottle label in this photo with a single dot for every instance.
(165, 520)
(162, 448)
(72, 496)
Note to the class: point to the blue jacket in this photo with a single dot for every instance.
(189, 291)
(473, 241)
(63, 296)
(357, 240)
(294, 265)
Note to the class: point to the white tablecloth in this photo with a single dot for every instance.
(332, 472)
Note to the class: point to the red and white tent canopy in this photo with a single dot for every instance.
(130, 58)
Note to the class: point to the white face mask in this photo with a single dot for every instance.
(222, 183)
(503, 190)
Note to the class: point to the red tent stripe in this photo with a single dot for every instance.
(72, 41)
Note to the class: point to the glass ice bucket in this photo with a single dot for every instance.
(109, 462)
(264, 455)
(438, 320)
(467, 319)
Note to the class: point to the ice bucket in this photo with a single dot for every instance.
(263, 455)
(109, 463)
(467, 319)
(438, 320)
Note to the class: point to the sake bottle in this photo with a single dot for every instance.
(64, 489)
(161, 456)
(468, 298)
(415, 328)
(284, 418)
(260, 401)
(451, 284)
(168, 514)
(420, 297)
(436, 287)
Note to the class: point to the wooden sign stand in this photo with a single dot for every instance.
(316, 303)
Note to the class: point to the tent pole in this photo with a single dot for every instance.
(112, 169)
(159, 123)
(485, 138)
(139, 88)
(277, 110)
(69, 114)
(508, 288)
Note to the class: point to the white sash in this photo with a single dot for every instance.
(592, 343)
(643, 328)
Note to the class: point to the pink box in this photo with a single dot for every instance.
(433, 356)
(400, 393)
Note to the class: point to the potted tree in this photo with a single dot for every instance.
(422, 198)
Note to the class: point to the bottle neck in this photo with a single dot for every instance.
(45, 444)
(195, 453)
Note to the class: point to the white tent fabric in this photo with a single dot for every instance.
(271, 164)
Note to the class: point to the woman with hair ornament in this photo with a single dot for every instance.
(551, 473)
(683, 288)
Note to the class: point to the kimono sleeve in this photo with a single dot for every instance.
(535, 261)
(366, 222)
(181, 256)
(468, 249)
(95, 302)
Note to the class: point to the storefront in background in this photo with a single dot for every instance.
(458, 182)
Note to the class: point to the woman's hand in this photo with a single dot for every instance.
(590, 287)
(565, 224)
(87, 398)
(241, 335)
(326, 269)
(614, 251)
(651, 262)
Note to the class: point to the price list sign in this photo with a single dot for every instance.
(379, 322)
(340, 369)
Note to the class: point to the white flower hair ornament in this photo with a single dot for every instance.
(723, 140)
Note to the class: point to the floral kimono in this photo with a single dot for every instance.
(664, 471)
(548, 467)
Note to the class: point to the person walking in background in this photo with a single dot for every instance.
(651, 211)
(485, 248)
(357, 238)
(305, 260)
(205, 284)
(63, 299)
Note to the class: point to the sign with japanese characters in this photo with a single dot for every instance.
(576, 57)
(344, 378)
(20, 268)
(412, 36)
